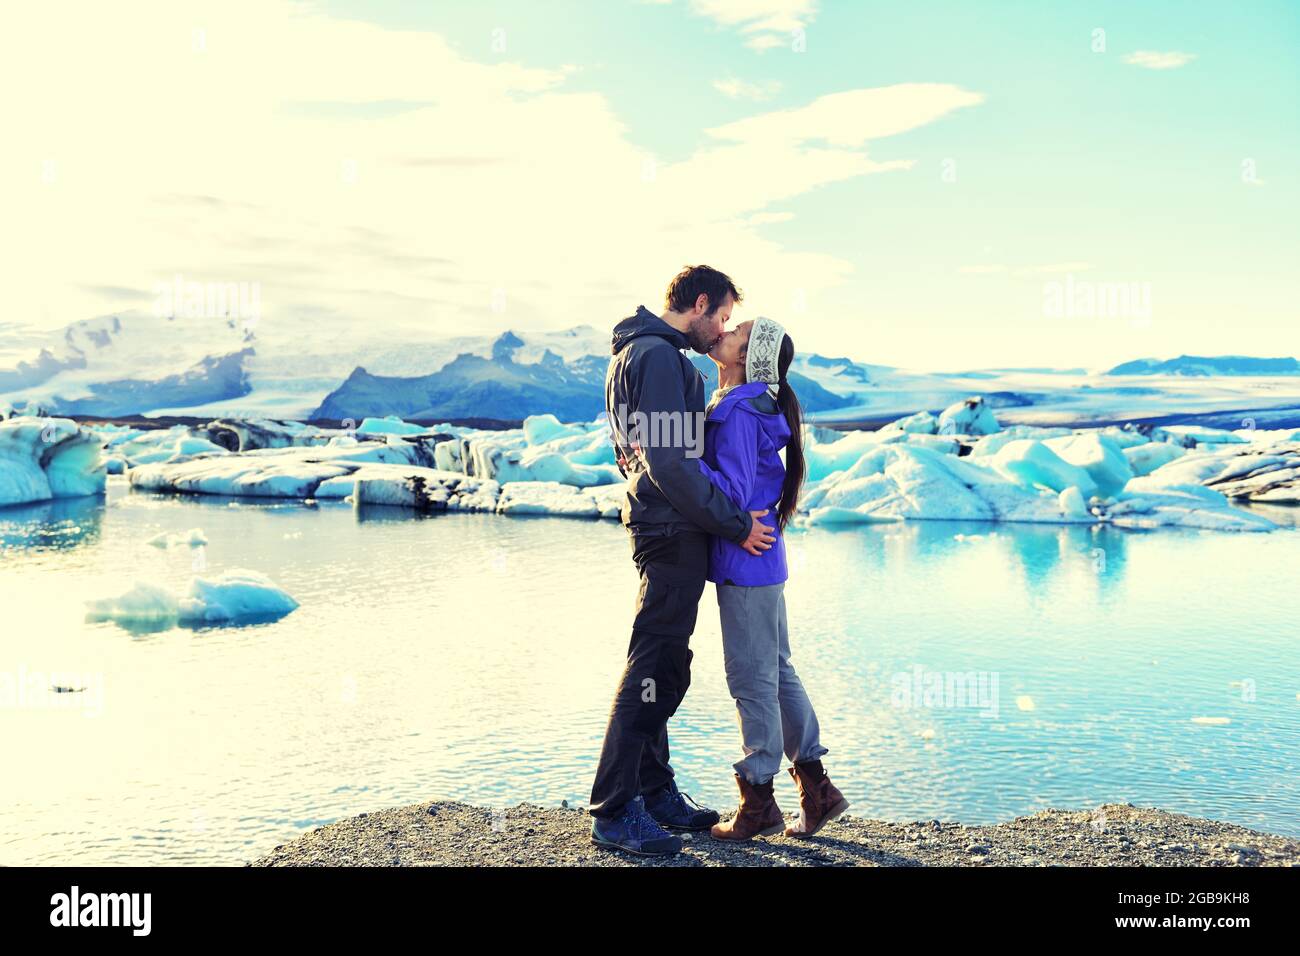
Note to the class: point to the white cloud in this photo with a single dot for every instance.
(380, 183)
(1152, 60)
(742, 90)
(852, 117)
(765, 23)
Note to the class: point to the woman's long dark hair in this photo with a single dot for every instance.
(795, 468)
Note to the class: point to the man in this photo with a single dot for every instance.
(670, 511)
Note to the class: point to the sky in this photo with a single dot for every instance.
(927, 184)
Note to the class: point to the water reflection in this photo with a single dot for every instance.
(57, 524)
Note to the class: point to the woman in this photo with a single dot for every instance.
(751, 417)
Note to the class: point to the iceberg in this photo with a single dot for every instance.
(1193, 436)
(908, 470)
(1031, 463)
(193, 538)
(970, 416)
(1101, 457)
(992, 444)
(424, 489)
(1144, 459)
(236, 596)
(389, 425)
(44, 458)
(553, 498)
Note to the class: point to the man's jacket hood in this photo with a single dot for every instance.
(645, 322)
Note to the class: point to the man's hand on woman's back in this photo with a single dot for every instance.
(760, 537)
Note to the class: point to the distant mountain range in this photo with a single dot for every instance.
(502, 387)
(134, 363)
(1209, 365)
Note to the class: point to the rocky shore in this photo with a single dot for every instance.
(1115, 834)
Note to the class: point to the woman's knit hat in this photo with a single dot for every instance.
(764, 351)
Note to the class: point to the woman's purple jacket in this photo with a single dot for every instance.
(742, 435)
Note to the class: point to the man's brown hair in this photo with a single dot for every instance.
(691, 281)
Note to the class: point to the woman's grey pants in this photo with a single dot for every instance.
(774, 710)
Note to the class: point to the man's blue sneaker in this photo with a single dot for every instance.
(674, 810)
(634, 831)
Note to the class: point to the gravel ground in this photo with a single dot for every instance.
(1115, 834)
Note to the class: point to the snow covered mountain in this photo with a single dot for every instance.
(139, 363)
(120, 365)
(1209, 365)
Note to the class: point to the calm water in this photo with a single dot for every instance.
(472, 657)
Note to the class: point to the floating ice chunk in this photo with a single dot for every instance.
(553, 498)
(1192, 436)
(145, 605)
(1072, 503)
(1266, 436)
(546, 498)
(609, 499)
(991, 444)
(446, 456)
(235, 596)
(1258, 473)
(823, 457)
(388, 425)
(1099, 456)
(1144, 459)
(1148, 486)
(585, 448)
(193, 445)
(1125, 437)
(539, 429)
(968, 417)
(921, 423)
(404, 486)
(1191, 506)
(43, 458)
(193, 538)
(1033, 464)
(539, 464)
(944, 444)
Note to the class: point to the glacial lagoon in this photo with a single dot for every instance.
(963, 671)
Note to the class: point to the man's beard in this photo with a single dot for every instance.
(700, 335)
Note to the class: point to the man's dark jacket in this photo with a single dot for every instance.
(666, 490)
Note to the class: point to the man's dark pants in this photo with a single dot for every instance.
(634, 758)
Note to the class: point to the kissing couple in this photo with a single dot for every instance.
(698, 517)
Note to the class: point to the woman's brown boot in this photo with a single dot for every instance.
(758, 814)
(819, 801)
